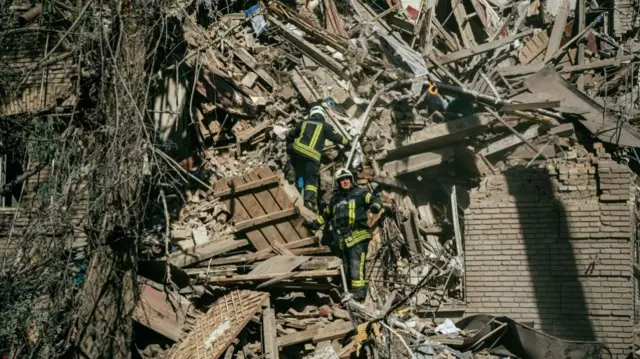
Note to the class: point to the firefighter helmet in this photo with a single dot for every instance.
(317, 113)
(343, 173)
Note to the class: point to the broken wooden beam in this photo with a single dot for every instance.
(509, 141)
(251, 63)
(269, 334)
(440, 135)
(529, 106)
(598, 64)
(205, 251)
(310, 50)
(266, 219)
(418, 162)
(268, 253)
(318, 333)
(480, 49)
(265, 277)
(237, 190)
(558, 30)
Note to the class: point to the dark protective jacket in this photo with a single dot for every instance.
(347, 213)
(307, 138)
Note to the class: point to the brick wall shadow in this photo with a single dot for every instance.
(550, 259)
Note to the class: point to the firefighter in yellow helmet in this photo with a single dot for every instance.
(304, 146)
(347, 214)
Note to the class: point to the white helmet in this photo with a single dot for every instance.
(342, 173)
(317, 112)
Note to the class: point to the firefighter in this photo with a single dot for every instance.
(347, 214)
(304, 146)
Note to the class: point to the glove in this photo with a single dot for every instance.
(312, 225)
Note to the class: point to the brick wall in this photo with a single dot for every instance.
(29, 222)
(551, 245)
(625, 17)
(25, 88)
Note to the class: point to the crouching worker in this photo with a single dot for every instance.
(347, 215)
(305, 144)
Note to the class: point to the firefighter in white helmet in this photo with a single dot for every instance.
(304, 146)
(347, 214)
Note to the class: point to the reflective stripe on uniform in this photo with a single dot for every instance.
(360, 282)
(367, 198)
(358, 236)
(311, 188)
(352, 212)
(320, 220)
(316, 134)
(306, 150)
(304, 126)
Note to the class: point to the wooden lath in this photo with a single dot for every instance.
(215, 331)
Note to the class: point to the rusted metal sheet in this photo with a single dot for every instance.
(213, 332)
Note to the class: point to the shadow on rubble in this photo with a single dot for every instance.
(550, 261)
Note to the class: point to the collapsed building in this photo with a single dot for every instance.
(500, 136)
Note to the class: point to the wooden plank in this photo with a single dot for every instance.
(268, 253)
(464, 26)
(258, 216)
(448, 39)
(418, 162)
(581, 18)
(241, 189)
(269, 334)
(558, 30)
(310, 50)
(317, 263)
(279, 264)
(248, 60)
(509, 141)
(265, 277)
(480, 49)
(598, 64)
(265, 222)
(529, 105)
(164, 315)
(302, 87)
(299, 337)
(282, 198)
(238, 212)
(204, 251)
(270, 205)
(336, 330)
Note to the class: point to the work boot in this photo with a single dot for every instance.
(359, 294)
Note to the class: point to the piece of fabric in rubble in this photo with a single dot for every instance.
(519, 340)
(410, 57)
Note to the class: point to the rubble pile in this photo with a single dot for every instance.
(429, 88)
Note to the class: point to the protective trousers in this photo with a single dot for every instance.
(309, 170)
(354, 266)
